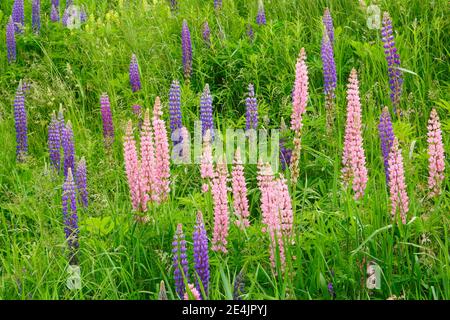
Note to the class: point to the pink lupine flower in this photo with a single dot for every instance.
(147, 173)
(266, 186)
(194, 293)
(132, 166)
(219, 192)
(436, 163)
(162, 163)
(274, 229)
(285, 206)
(206, 161)
(353, 159)
(186, 148)
(239, 187)
(397, 186)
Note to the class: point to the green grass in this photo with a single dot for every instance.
(335, 236)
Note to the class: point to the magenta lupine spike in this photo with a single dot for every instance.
(387, 138)
(397, 186)
(162, 156)
(54, 14)
(108, 126)
(393, 60)
(18, 16)
(186, 47)
(239, 187)
(206, 33)
(20, 122)
(285, 207)
(201, 258)
(36, 16)
(132, 166)
(261, 16)
(436, 160)
(251, 104)
(221, 220)
(54, 143)
(354, 169)
(180, 263)
(135, 80)
(69, 205)
(11, 41)
(147, 172)
(80, 179)
(328, 23)
(206, 161)
(195, 293)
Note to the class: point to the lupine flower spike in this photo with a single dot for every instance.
(132, 166)
(201, 258)
(175, 112)
(329, 75)
(173, 5)
(11, 41)
(54, 15)
(135, 80)
(387, 138)
(285, 153)
(250, 33)
(69, 205)
(187, 49)
(20, 117)
(206, 112)
(239, 187)
(80, 179)
(299, 102)
(36, 16)
(147, 170)
(261, 16)
(285, 208)
(194, 292)
(108, 126)
(206, 33)
(18, 16)
(54, 143)
(251, 115)
(221, 220)
(436, 160)
(328, 23)
(393, 61)
(162, 291)
(354, 169)
(180, 263)
(206, 162)
(397, 186)
(68, 148)
(217, 4)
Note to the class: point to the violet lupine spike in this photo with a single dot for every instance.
(180, 263)
(250, 32)
(54, 143)
(206, 112)
(69, 205)
(175, 108)
(285, 154)
(68, 148)
(20, 117)
(186, 47)
(329, 66)
(261, 16)
(83, 15)
(18, 16)
(54, 14)
(393, 60)
(387, 138)
(436, 160)
(251, 115)
(11, 41)
(135, 80)
(108, 126)
(201, 258)
(217, 4)
(206, 33)
(36, 16)
(328, 23)
(80, 178)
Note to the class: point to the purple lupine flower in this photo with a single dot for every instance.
(180, 263)
(261, 16)
(251, 104)
(20, 117)
(393, 60)
(239, 286)
(331, 290)
(68, 145)
(11, 41)
(54, 15)
(36, 16)
(83, 15)
(285, 154)
(65, 17)
(329, 66)
(206, 111)
(69, 206)
(108, 126)
(18, 16)
(26, 87)
(175, 108)
(328, 23)
(54, 143)
(201, 258)
(135, 79)
(206, 33)
(217, 4)
(55, 3)
(80, 179)
(186, 46)
(250, 33)
(387, 138)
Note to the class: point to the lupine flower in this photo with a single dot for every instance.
(250, 32)
(137, 110)
(261, 16)
(36, 15)
(18, 16)
(239, 187)
(266, 186)
(331, 290)
(180, 263)
(108, 126)
(187, 49)
(147, 171)
(68, 148)
(329, 76)
(353, 159)
(162, 291)
(201, 258)
(436, 163)
(55, 3)
(80, 179)
(194, 292)
(173, 5)
(397, 186)
(135, 80)
(54, 15)
(251, 115)
(219, 192)
(387, 138)
(239, 286)
(285, 154)
(285, 207)
(175, 112)
(20, 117)
(26, 87)
(206, 161)
(328, 23)
(393, 60)
(69, 205)
(217, 4)
(132, 166)
(54, 143)
(162, 164)
(83, 15)
(206, 111)
(65, 17)
(206, 33)
(299, 102)
(11, 41)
